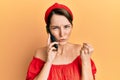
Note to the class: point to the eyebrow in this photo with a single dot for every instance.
(54, 26)
(58, 26)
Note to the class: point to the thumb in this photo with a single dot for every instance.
(49, 40)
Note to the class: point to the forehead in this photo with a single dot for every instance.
(59, 20)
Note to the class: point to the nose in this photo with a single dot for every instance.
(61, 32)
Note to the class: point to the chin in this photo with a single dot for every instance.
(62, 43)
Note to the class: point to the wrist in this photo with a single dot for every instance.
(86, 62)
(48, 63)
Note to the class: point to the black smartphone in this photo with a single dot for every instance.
(53, 40)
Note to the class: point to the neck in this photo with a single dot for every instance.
(62, 49)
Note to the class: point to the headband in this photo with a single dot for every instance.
(57, 6)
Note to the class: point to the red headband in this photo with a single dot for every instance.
(57, 6)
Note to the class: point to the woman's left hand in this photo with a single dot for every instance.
(85, 52)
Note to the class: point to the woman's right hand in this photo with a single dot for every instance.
(51, 51)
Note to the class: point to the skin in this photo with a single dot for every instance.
(61, 29)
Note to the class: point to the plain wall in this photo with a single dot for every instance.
(22, 31)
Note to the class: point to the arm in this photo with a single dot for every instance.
(51, 54)
(43, 75)
(86, 70)
(85, 54)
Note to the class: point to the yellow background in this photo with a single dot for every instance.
(22, 31)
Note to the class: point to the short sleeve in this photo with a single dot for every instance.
(93, 68)
(34, 68)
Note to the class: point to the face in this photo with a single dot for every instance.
(60, 28)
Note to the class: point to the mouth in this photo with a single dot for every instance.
(61, 40)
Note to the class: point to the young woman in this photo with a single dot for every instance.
(67, 61)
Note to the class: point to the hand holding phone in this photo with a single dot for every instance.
(53, 40)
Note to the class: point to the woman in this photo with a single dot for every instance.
(67, 61)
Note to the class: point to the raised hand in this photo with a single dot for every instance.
(86, 51)
(52, 52)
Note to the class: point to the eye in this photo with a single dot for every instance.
(66, 26)
(55, 27)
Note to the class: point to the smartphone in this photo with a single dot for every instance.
(53, 40)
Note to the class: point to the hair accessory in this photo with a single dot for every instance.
(57, 6)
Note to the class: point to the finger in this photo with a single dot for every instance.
(87, 47)
(52, 49)
(49, 40)
(91, 49)
(53, 43)
(85, 50)
(82, 52)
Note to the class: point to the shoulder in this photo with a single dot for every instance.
(76, 48)
(41, 53)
